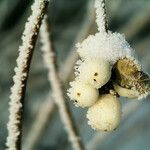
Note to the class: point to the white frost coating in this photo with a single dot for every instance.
(100, 15)
(24, 50)
(49, 60)
(110, 47)
(82, 94)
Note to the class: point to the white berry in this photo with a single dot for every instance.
(84, 95)
(105, 114)
(124, 92)
(95, 72)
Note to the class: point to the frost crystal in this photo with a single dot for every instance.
(100, 16)
(108, 46)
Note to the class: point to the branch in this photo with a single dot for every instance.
(50, 63)
(101, 15)
(21, 74)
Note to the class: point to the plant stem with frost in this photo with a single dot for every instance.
(101, 15)
(21, 74)
(50, 63)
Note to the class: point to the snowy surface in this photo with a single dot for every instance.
(109, 47)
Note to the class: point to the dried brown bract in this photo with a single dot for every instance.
(128, 74)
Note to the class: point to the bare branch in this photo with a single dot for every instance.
(101, 15)
(21, 74)
(50, 63)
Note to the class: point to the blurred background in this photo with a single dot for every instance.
(70, 22)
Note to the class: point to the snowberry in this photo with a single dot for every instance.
(95, 72)
(84, 95)
(105, 114)
(124, 92)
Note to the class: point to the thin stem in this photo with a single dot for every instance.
(101, 15)
(21, 74)
(105, 12)
(50, 62)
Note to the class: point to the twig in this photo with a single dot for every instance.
(21, 74)
(101, 15)
(50, 63)
(105, 11)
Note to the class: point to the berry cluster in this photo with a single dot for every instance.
(107, 69)
(104, 111)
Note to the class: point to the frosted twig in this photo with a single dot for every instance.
(21, 74)
(65, 71)
(100, 137)
(101, 15)
(50, 63)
